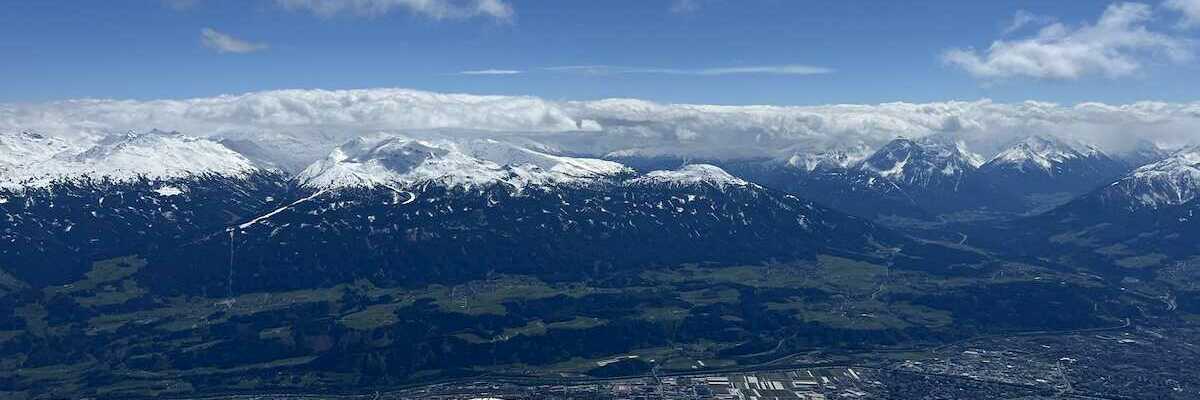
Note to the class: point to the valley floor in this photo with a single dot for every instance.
(1144, 363)
(1006, 326)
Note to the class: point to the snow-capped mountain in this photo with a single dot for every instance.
(1045, 171)
(1170, 182)
(65, 205)
(835, 159)
(24, 148)
(922, 163)
(35, 161)
(915, 178)
(1154, 210)
(476, 206)
(937, 175)
(1042, 154)
(384, 160)
(691, 175)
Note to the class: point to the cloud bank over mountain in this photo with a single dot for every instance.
(295, 127)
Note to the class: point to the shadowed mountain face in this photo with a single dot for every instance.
(55, 233)
(429, 233)
(1042, 171)
(1145, 218)
(66, 206)
(927, 164)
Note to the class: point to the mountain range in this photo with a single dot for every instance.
(394, 255)
(384, 204)
(182, 196)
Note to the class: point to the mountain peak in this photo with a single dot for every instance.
(388, 159)
(920, 162)
(692, 175)
(1172, 181)
(1042, 153)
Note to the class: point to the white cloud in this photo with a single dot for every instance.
(293, 126)
(647, 128)
(224, 43)
(793, 69)
(296, 127)
(1117, 45)
(491, 72)
(1024, 18)
(499, 10)
(1190, 10)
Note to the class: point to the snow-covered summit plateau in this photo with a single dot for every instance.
(31, 160)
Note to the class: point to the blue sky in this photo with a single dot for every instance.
(698, 51)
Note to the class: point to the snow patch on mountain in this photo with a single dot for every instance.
(691, 175)
(168, 191)
(153, 155)
(532, 162)
(387, 159)
(975, 160)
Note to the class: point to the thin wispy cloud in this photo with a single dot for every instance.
(224, 43)
(1024, 19)
(181, 4)
(499, 10)
(685, 6)
(1117, 45)
(790, 69)
(491, 72)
